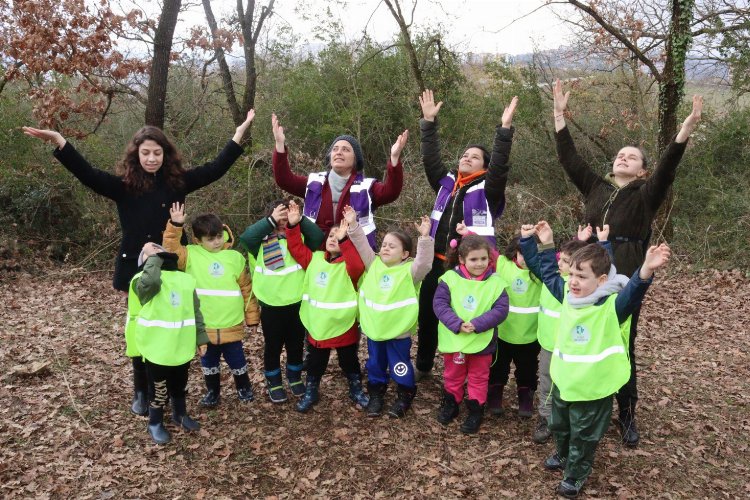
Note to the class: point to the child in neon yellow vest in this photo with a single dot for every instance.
(168, 327)
(225, 290)
(388, 309)
(590, 358)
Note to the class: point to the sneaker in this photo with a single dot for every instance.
(448, 409)
(275, 387)
(541, 433)
(405, 395)
(294, 379)
(554, 462)
(245, 394)
(569, 487)
(376, 392)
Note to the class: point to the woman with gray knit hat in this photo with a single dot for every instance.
(327, 193)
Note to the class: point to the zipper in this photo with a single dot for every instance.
(610, 201)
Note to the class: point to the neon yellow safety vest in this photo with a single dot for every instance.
(469, 299)
(520, 326)
(388, 301)
(216, 280)
(277, 287)
(329, 300)
(590, 358)
(549, 317)
(134, 307)
(165, 329)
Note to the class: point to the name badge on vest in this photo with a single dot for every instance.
(580, 334)
(478, 217)
(386, 282)
(321, 279)
(519, 286)
(469, 303)
(216, 270)
(174, 299)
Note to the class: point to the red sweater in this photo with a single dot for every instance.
(382, 192)
(354, 268)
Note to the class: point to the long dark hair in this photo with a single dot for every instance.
(138, 180)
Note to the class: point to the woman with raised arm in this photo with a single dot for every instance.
(627, 199)
(344, 183)
(148, 180)
(472, 193)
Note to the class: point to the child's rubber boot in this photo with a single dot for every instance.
(213, 391)
(312, 394)
(156, 428)
(356, 393)
(628, 428)
(448, 409)
(376, 393)
(275, 386)
(244, 388)
(525, 402)
(495, 398)
(180, 416)
(294, 379)
(474, 418)
(404, 397)
(140, 393)
(541, 433)
(570, 488)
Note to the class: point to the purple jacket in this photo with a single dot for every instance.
(441, 304)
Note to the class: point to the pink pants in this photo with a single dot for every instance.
(476, 369)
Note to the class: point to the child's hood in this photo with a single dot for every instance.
(228, 238)
(614, 284)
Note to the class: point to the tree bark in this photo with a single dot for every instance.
(157, 83)
(226, 75)
(416, 70)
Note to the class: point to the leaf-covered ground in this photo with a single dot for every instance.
(65, 428)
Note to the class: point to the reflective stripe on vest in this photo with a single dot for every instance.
(282, 272)
(469, 299)
(218, 293)
(329, 300)
(217, 276)
(590, 358)
(169, 325)
(388, 303)
(549, 317)
(520, 327)
(277, 287)
(549, 312)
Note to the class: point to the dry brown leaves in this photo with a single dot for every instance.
(65, 428)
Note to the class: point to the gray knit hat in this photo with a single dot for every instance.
(360, 163)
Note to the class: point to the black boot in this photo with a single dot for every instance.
(356, 393)
(495, 398)
(244, 389)
(213, 390)
(294, 379)
(628, 428)
(404, 397)
(156, 428)
(448, 409)
(376, 392)
(312, 395)
(474, 418)
(140, 393)
(180, 416)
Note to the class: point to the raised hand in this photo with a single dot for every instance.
(585, 232)
(293, 214)
(278, 133)
(508, 112)
(528, 230)
(398, 147)
(688, 126)
(544, 231)
(656, 257)
(424, 226)
(429, 108)
(51, 136)
(150, 249)
(177, 213)
(462, 228)
(350, 215)
(242, 127)
(280, 213)
(602, 234)
(340, 232)
(559, 98)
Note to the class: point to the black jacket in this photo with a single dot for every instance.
(142, 215)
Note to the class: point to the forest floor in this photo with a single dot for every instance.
(66, 430)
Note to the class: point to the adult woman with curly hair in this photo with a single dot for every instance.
(148, 180)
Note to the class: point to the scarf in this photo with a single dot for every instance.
(463, 179)
(273, 257)
(614, 284)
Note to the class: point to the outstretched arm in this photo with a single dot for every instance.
(171, 239)
(282, 172)
(497, 174)
(389, 190)
(433, 164)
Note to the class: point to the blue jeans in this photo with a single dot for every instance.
(233, 355)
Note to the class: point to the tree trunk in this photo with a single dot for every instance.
(408, 45)
(157, 83)
(226, 75)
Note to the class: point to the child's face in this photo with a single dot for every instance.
(392, 251)
(564, 263)
(476, 262)
(281, 224)
(213, 243)
(520, 260)
(583, 282)
(332, 243)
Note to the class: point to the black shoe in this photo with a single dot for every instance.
(474, 418)
(275, 387)
(156, 428)
(570, 488)
(244, 389)
(213, 391)
(294, 379)
(356, 393)
(541, 433)
(180, 416)
(312, 394)
(376, 392)
(140, 404)
(448, 409)
(554, 462)
(405, 395)
(629, 430)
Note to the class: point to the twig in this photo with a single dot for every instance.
(70, 391)
(441, 464)
(484, 457)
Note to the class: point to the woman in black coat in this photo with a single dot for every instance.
(148, 180)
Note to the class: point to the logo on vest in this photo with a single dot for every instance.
(580, 334)
(470, 303)
(322, 279)
(386, 282)
(478, 217)
(400, 369)
(215, 269)
(519, 286)
(174, 299)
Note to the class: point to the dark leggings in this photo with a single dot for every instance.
(427, 338)
(524, 356)
(281, 328)
(166, 379)
(317, 361)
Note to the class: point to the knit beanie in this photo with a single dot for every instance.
(360, 160)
